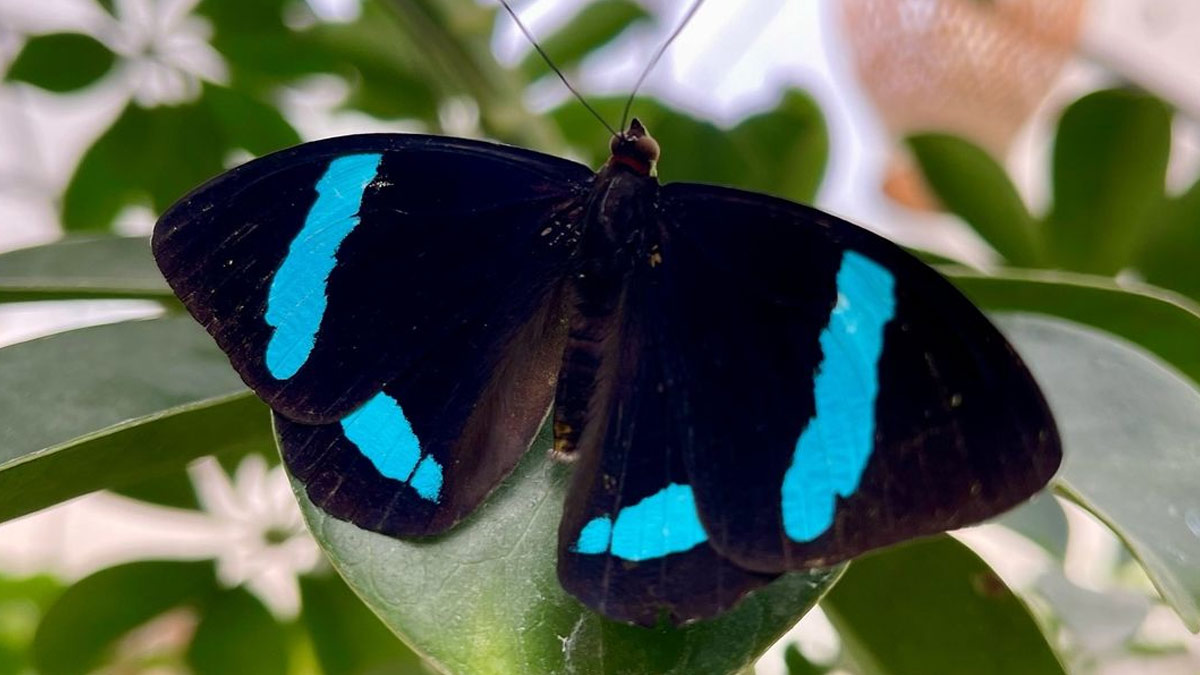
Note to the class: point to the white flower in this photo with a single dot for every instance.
(265, 542)
(167, 50)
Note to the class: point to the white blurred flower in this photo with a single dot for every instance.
(265, 544)
(166, 49)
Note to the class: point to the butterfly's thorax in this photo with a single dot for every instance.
(620, 229)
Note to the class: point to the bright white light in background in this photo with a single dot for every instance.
(734, 59)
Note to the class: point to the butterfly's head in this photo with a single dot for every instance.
(635, 148)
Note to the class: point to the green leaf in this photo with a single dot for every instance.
(598, 24)
(781, 152)
(380, 63)
(798, 664)
(90, 617)
(487, 593)
(932, 606)
(236, 634)
(107, 406)
(246, 123)
(23, 603)
(977, 189)
(1169, 257)
(261, 51)
(1162, 322)
(173, 489)
(61, 62)
(155, 156)
(1131, 436)
(347, 637)
(82, 268)
(787, 148)
(1110, 164)
(388, 78)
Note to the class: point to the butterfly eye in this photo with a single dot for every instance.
(646, 148)
(635, 144)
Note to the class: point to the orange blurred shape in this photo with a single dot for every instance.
(973, 68)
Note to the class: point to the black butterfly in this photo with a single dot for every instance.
(746, 385)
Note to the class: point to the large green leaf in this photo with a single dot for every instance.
(976, 188)
(1169, 256)
(596, 25)
(61, 62)
(237, 634)
(931, 607)
(1110, 164)
(347, 637)
(1162, 322)
(782, 151)
(83, 626)
(154, 156)
(485, 597)
(1131, 436)
(82, 268)
(106, 406)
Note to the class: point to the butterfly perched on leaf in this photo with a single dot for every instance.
(744, 385)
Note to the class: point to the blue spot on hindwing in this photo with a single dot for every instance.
(833, 450)
(296, 301)
(427, 479)
(595, 537)
(383, 435)
(663, 523)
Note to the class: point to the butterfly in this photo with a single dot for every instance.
(744, 385)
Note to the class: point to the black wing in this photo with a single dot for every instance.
(396, 299)
(631, 545)
(845, 396)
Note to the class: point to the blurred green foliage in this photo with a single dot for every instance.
(127, 406)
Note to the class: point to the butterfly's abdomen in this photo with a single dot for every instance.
(618, 231)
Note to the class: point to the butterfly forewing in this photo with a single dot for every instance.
(397, 301)
(843, 395)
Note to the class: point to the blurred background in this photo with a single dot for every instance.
(1048, 142)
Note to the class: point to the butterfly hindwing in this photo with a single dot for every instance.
(397, 301)
(844, 395)
(631, 544)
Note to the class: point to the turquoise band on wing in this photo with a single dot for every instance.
(297, 298)
(383, 435)
(833, 450)
(664, 523)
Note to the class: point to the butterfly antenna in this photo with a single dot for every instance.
(657, 57)
(546, 57)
